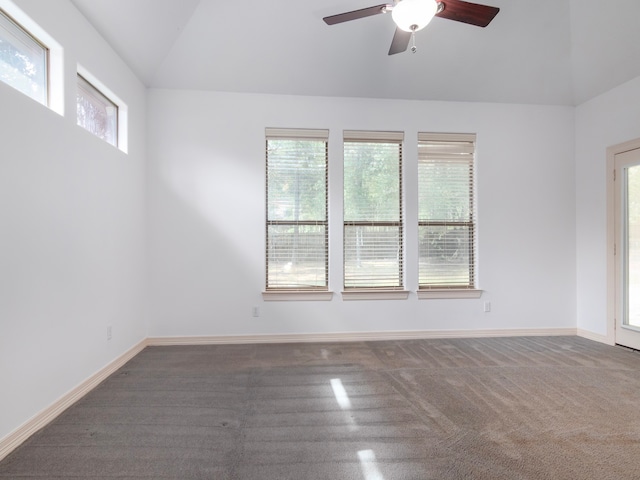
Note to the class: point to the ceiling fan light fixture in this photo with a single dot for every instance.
(414, 15)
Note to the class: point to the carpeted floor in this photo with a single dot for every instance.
(510, 408)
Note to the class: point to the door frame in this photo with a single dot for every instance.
(612, 151)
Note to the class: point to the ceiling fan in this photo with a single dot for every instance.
(413, 15)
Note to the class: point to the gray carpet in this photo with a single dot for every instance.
(510, 408)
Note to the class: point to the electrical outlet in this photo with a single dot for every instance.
(255, 311)
(108, 332)
(487, 307)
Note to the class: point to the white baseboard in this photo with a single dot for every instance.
(356, 336)
(40, 420)
(596, 337)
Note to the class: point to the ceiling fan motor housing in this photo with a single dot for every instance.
(414, 15)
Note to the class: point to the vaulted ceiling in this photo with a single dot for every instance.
(560, 52)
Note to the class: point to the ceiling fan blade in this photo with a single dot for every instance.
(400, 41)
(356, 14)
(466, 12)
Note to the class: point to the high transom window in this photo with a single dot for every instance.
(23, 60)
(96, 113)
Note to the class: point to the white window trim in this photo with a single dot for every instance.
(299, 133)
(426, 293)
(375, 294)
(454, 293)
(293, 294)
(297, 295)
(397, 293)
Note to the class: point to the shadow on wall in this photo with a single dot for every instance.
(206, 242)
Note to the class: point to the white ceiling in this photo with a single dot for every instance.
(559, 52)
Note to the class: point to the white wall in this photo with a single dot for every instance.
(73, 219)
(206, 200)
(72, 229)
(607, 120)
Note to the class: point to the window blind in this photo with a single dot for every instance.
(297, 219)
(373, 214)
(446, 210)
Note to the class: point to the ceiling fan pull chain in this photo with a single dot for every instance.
(414, 49)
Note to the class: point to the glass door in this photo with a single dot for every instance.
(627, 248)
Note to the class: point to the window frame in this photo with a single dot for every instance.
(84, 84)
(389, 292)
(46, 53)
(280, 293)
(470, 290)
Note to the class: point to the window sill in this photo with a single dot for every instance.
(319, 296)
(375, 295)
(296, 296)
(449, 293)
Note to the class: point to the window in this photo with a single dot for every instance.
(297, 219)
(23, 60)
(446, 212)
(96, 113)
(373, 214)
